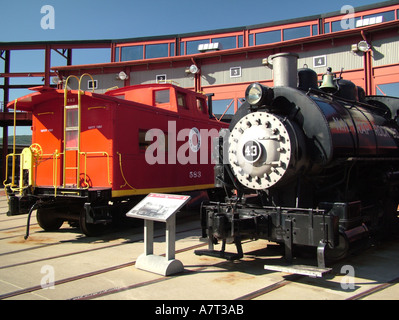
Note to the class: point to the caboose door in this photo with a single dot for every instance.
(71, 147)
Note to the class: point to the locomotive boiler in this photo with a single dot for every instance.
(305, 165)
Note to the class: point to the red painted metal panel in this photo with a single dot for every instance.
(113, 150)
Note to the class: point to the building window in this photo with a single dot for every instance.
(225, 106)
(315, 30)
(117, 54)
(388, 89)
(192, 46)
(156, 50)
(226, 42)
(386, 16)
(251, 40)
(240, 41)
(172, 50)
(182, 48)
(295, 33)
(132, 53)
(327, 27)
(268, 37)
(92, 84)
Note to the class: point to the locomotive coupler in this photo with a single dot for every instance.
(219, 227)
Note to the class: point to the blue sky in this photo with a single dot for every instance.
(118, 19)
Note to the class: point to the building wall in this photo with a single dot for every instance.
(386, 51)
(227, 73)
(175, 74)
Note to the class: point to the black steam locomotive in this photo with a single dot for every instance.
(304, 165)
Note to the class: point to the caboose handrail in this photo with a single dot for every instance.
(14, 142)
(79, 125)
(12, 183)
(104, 153)
(65, 122)
(123, 176)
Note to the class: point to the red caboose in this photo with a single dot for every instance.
(93, 154)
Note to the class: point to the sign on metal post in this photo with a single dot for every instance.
(162, 208)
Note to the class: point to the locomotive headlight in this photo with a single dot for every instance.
(257, 94)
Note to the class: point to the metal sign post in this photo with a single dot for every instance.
(163, 208)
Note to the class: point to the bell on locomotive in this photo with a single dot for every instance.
(306, 165)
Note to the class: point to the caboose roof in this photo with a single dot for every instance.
(140, 95)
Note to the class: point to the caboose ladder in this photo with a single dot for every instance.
(72, 139)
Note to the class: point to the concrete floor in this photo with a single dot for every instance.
(78, 267)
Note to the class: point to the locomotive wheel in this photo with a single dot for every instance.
(90, 229)
(47, 220)
(390, 220)
(340, 251)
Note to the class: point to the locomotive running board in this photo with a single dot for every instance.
(305, 270)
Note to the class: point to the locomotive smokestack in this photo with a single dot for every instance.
(285, 71)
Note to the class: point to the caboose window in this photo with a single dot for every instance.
(71, 117)
(71, 128)
(162, 144)
(181, 100)
(71, 139)
(201, 105)
(143, 144)
(162, 96)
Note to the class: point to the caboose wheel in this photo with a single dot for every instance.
(90, 229)
(47, 220)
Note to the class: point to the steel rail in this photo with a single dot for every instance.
(85, 275)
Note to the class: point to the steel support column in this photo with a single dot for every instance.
(6, 96)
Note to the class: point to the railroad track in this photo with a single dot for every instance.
(114, 278)
(91, 274)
